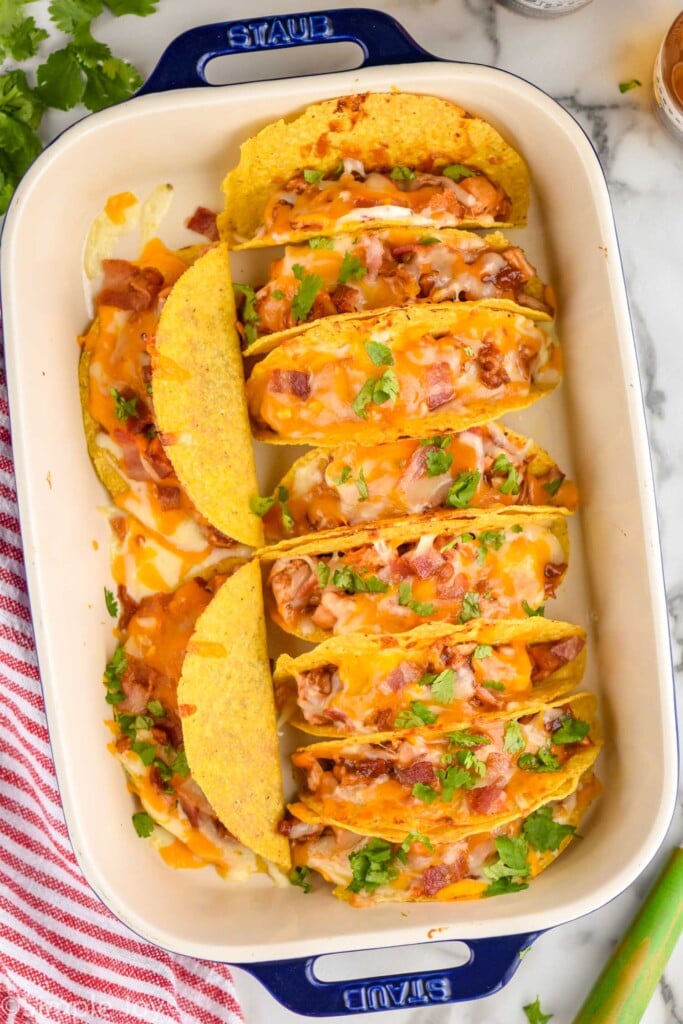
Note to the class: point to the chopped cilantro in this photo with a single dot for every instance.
(467, 738)
(533, 1011)
(543, 833)
(553, 486)
(437, 441)
(513, 740)
(493, 684)
(425, 793)
(259, 506)
(511, 483)
(111, 603)
(372, 866)
(419, 714)
(470, 607)
(380, 355)
(156, 708)
(323, 573)
(517, 528)
(482, 651)
(469, 351)
(278, 294)
(249, 314)
(489, 539)
(351, 269)
(438, 462)
(504, 885)
(543, 761)
(412, 837)
(402, 173)
(463, 489)
(309, 286)
(312, 177)
(531, 612)
(320, 242)
(145, 751)
(405, 599)
(571, 730)
(429, 240)
(633, 83)
(125, 408)
(443, 686)
(113, 674)
(143, 824)
(362, 486)
(513, 859)
(351, 582)
(376, 391)
(345, 475)
(299, 876)
(180, 765)
(455, 778)
(457, 171)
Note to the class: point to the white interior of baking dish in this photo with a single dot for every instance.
(593, 425)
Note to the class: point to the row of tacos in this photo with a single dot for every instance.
(417, 542)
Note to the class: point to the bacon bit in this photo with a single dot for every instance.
(491, 369)
(290, 382)
(450, 587)
(218, 539)
(548, 657)
(284, 827)
(203, 221)
(129, 287)
(525, 357)
(486, 800)
(156, 779)
(499, 768)
(346, 299)
(440, 388)
(319, 678)
(418, 771)
(486, 696)
(169, 498)
(553, 574)
(120, 526)
(132, 456)
(434, 879)
(403, 675)
(384, 719)
(425, 565)
(508, 279)
(427, 284)
(369, 768)
(127, 605)
(186, 710)
(401, 251)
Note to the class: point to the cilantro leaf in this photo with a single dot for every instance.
(380, 355)
(425, 793)
(438, 461)
(376, 391)
(402, 173)
(553, 486)
(179, 764)
(511, 484)
(71, 15)
(543, 761)
(571, 730)
(323, 573)
(312, 176)
(632, 83)
(248, 314)
(139, 7)
(418, 715)
(470, 607)
(351, 582)
(482, 651)
(309, 286)
(504, 885)
(533, 1011)
(143, 824)
(412, 837)
(259, 506)
(24, 40)
(60, 83)
(111, 603)
(125, 408)
(320, 242)
(531, 612)
(467, 738)
(429, 240)
(443, 686)
(344, 476)
(145, 751)
(156, 708)
(352, 270)
(454, 778)
(405, 599)
(489, 539)
(513, 740)
(513, 859)
(494, 684)
(543, 833)
(362, 486)
(463, 488)
(457, 171)
(372, 866)
(299, 876)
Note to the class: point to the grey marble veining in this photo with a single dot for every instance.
(579, 60)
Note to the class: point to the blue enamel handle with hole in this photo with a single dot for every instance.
(382, 40)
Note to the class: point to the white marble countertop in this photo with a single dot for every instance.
(579, 60)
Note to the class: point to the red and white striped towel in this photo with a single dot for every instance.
(63, 956)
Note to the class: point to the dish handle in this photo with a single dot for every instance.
(381, 38)
(491, 964)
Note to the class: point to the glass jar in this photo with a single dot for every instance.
(667, 79)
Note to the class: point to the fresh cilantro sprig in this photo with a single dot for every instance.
(83, 71)
(372, 866)
(309, 286)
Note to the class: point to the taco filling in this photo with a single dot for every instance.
(321, 198)
(451, 782)
(432, 676)
(141, 681)
(367, 871)
(485, 467)
(507, 571)
(383, 376)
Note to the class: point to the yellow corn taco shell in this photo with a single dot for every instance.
(227, 709)
(334, 866)
(393, 819)
(312, 484)
(199, 398)
(361, 664)
(383, 130)
(307, 390)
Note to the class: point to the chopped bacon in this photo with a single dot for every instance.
(486, 800)
(509, 279)
(450, 586)
(218, 539)
(427, 284)
(416, 466)
(384, 719)
(292, 583)
(547, 657)
(435, 878)
(193, 802)
(318, 679)
(127, 606)
(156, 461)
(401, 251)
(440, 388)
(426, 564)
(203, 221)
(553, 574)
(367, 768)
(291, 382)
(403, 675)
(486, 696)
(346, 299)
(132, 456)
(499, 768)
(418, 771)
(284, 827)
(129, 287)
(491, 369)
(169, 498)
